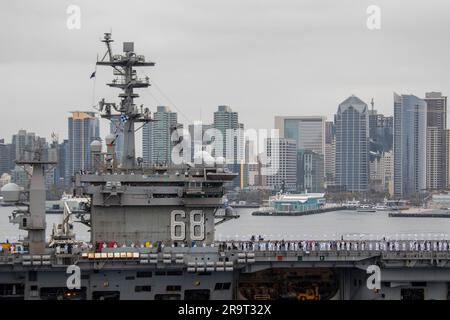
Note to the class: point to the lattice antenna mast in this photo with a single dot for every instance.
(127, 81)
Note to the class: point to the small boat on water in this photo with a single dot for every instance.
(264, 211)
(352, 204)
(398, 204)
(366, 208)
(380, 207)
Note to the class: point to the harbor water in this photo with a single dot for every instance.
(350, 225)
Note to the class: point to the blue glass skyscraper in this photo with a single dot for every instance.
(410, 137)
(352, 145)
(84, 127)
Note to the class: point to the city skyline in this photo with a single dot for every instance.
(321, 147)
(301, 44)
(105, 125)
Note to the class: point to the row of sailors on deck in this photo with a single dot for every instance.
(12, 248)
(264, 245)
(382, 245)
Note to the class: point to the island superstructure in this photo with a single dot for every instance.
(133, 204)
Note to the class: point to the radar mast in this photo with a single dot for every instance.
(126, 112)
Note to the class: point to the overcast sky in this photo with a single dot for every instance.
(262, 58)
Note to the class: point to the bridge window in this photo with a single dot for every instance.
(222, 286)
(173, 288)
(412, 294)
(143, 288)
(143, 274)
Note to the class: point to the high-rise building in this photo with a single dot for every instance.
(352, 145)
(226, 122)
(24, 143)
(330, 132)
(254, 174)
(21, 175)
(116, 129)
(447, 135)
(5, 155)
(410, 156)
(157, 141)
(381, 139)
(62, 177)
(282, 173)
(382, 173)
(310, 175)
(388, 163)
(51, 173)
(381, 133)
(330, 153)
(308, 132)
(251, 151)
(330, 163)
(84, 127)
(198, 137)
(51, 151)
(436, 140)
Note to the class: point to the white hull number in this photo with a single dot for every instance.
(196, 225)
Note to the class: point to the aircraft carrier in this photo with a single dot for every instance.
(152, 234)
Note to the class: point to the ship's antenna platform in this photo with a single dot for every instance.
(127, 81)
(33, 220)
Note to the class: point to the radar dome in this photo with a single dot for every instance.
(109, 139)
(96, 146)
(11, 192)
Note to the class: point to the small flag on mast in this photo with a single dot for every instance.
(124, 118)
(92, 75)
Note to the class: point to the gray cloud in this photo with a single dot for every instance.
(260, 57)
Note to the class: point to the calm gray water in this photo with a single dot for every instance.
(330, 225)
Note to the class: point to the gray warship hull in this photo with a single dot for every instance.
(209, 273)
